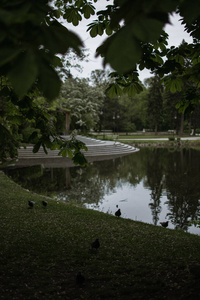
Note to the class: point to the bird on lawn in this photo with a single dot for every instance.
(44, 203)
(31, 203)
(118, 213)
(164, 224)
(95, 244)
(80, 279)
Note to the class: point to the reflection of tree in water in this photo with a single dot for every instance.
(38, 179)
(91, 184)
(132, 167)
(182, 187)
(175, 172)
(154, 180)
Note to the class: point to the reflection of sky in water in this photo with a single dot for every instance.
(134, 204)
(171, 178)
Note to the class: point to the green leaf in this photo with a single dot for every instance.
(179, 59)
(36, 147)
(66, 152)
(79, 159)
(122, 51)
(49, 82)
(189, 10)
(174, 84)
(72, 15)
(147, 30)
(23, 73)
(100, 28)
(114, 90)
(33, 135)
(133, 89)
(88, 10)
(15, 119)
(94, 31)
(2, 35)
(108, 30)
(58, 39)
(158, 59)
(141, 66)
(79, 3)
(7, 54)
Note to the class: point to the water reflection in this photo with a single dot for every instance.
(151, 185)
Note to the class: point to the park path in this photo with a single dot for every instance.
(192, 138)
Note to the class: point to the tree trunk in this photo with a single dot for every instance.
(182, 124)
(190, 126)
(156, 129)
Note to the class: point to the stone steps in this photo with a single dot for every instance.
(100, 149)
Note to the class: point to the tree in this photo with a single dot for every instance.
(155, 102)
(140, 42)
(33, 41)
(135, 111)
(100, 78)
(83, 101)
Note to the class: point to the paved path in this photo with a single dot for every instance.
(192, 138)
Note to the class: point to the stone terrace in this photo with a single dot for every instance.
(96, 148)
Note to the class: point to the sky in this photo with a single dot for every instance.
(175, 30)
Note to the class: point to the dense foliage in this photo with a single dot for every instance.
(34, 42)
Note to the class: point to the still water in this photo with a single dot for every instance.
(151, 185)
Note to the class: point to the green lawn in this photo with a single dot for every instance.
(42, 249)
(123, 136)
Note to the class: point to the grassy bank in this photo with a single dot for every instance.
(157, 143)
(42, 249)
(149, 140)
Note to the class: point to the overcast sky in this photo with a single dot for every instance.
(176, 35)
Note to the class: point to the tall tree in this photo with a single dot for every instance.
(32, 45)
(155, 103)
(84, 102)
(33, 39)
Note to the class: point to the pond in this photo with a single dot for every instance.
(152, 185)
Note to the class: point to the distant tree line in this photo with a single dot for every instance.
(155, 108)
(33, 60)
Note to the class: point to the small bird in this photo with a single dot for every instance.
(164, 224)
(31, 203)
(118, 213)
(80, 279)
(44, 203)
(95, 244)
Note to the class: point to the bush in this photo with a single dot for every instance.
(26, 132)
(130, 127)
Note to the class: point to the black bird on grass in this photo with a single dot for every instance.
(95, 244)
(118, 213)
(44, 203)
(80, 279)
(31, 203)
(164, 224)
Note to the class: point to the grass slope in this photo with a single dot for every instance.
(42, 249)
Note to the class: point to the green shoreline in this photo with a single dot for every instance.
(148, 143)
(42, 249)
